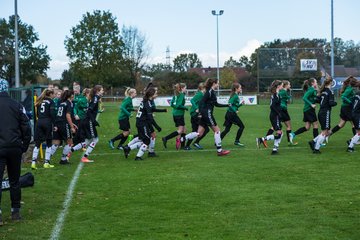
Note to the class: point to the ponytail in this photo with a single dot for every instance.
(129, 91)
(209, 82)
(44, 94)
(274, 85)
(233, 88)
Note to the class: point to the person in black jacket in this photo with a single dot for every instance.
(326, 100)
(15, 135)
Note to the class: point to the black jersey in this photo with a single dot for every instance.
(209, 101)
(93, 108)
(144, 115)
(275, 104)
(356, 104)
(327, 100)
(64, 108)
(46, 109)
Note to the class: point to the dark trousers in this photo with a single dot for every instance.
(11, 157)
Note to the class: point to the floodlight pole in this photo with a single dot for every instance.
(217, 44)
(17, 71)
(332, 39)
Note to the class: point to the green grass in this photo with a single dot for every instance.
(248, 194)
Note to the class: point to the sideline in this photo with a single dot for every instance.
(61, 217)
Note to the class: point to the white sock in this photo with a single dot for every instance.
(142, 150)
(354, 140)
(217, 138)
(135, 145)
(152, 145)
(65, 152)
(91, 146)
(277, 141)
(269, 137)
(77, 147)
(35, 154)
(47, 154)
(54, 147)
(319, 141)
(135, 140)
(191, 135)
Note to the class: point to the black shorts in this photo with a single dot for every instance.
(144, 133)
(43, 130)
(275, 121)
(285, 115)
(89, 129)
(346, 113)
(79, 136)
(63, 131)
(310, 116)
(232, 118)
(151, 128)
(356, 121)
(207, 119)
(124, 124)
(324, 119)
(179, 121)
(195, 122)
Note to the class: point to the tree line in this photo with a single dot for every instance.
(100, 52)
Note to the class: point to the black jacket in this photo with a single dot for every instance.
(15, 128)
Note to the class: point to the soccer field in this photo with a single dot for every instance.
(248, 194)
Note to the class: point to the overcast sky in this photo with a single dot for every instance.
(187, 26)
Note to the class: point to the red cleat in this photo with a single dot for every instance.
(223, 153)
(178, 143)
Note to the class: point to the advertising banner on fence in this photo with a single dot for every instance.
(165, 101)
(308, 64)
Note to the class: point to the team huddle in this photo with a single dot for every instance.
(71, 118)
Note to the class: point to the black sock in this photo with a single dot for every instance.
(300, 131)
(123, 140)
(238, 134)
(172, 135)
(269, 132)
(353, 131)
(188, 143)
(182, 142)
(288, 135)
(226, 130)
(315, 132)
(204, 134)
(335, 129)
(118, 137)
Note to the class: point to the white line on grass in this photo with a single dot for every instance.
(61, 217)
(115, 152)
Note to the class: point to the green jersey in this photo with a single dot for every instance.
(309, 98)
(234, 102)
(81, 106)
(284, 98)
(347, 96)
(195, 103)
(178, 105)
(125, 108)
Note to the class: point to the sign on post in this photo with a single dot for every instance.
(308, 64)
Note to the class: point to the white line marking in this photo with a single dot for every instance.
(61, 217)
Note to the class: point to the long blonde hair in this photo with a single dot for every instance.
(178, 87)
(129, 91)
(44, 94)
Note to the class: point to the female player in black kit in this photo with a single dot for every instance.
(207, 104)
(43, 132)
